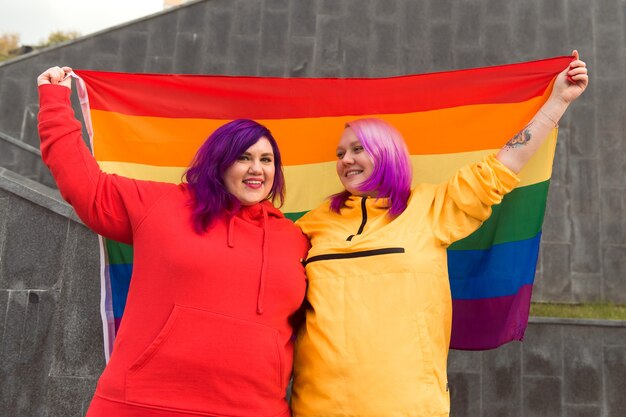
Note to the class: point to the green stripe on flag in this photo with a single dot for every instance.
(518, 217)
(119, 253)
(295, 215)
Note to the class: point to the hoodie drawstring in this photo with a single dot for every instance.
(264, 255)
(231, 232)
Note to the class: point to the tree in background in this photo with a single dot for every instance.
(8, 43)
(59, 36)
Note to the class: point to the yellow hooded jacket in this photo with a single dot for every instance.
(375, 342)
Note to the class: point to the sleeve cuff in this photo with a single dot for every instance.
(50, 94)
(508, 179)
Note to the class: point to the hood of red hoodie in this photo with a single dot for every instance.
(254, 213)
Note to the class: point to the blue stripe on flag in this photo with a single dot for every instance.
(120, 281)
(495, 272)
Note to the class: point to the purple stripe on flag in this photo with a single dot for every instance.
(118, 321)
(490, 322)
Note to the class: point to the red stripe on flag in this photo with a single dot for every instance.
(226, 98)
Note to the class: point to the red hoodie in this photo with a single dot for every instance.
(206, 327)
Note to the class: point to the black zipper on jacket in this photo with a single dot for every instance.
(363, 221)
(359, 254)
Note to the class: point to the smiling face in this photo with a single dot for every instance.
(354, 165)
(251, 176)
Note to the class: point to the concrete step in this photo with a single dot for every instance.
(24, 159)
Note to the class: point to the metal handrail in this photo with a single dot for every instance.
(20, 144)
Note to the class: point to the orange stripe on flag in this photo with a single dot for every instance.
(173, 142)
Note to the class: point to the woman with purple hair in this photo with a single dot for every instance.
(376, 336)
(217, 275)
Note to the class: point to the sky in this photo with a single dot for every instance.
(34, 20)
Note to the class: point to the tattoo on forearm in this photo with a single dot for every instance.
(521, 138)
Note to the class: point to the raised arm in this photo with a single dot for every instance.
(568, 86)
(110, 205)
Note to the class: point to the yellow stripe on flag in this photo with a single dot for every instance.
(308, 185)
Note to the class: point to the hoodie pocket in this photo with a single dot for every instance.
(209, 363)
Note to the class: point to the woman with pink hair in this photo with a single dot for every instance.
(376, 336)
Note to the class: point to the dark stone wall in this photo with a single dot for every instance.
(51, 350)
(564, 368)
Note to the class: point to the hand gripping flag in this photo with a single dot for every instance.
(148, 126)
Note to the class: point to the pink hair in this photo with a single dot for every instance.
(392, 174)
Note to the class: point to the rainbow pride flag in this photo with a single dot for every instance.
(148, 126)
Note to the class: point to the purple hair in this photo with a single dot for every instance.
(392, 173)
(205, 176)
